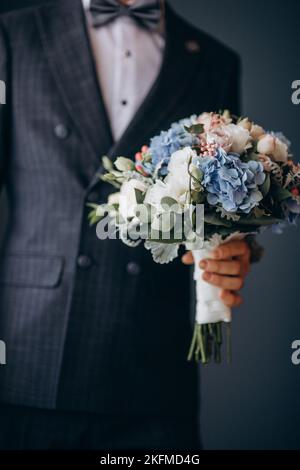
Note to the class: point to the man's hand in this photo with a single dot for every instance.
(226, 268)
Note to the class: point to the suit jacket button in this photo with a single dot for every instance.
(61, 131)
(84, 262)
(133, 268)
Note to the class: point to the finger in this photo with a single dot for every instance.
(231, 249)
(231, 299)
(233, 268)
(187, 258)
(245, 267)
(225, 282)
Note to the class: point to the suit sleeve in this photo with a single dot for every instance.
(3, 105)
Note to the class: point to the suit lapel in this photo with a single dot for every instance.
(181, 60)
(64, 34)
(65, 39)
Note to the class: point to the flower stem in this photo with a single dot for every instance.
(207, 341)
(193, 344)
(229, 343)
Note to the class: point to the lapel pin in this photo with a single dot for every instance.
(192, 46)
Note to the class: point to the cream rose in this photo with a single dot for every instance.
(245, 123)
(239, 137)
(273, 147)
(256, 131)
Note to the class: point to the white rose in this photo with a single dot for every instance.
(178, 178)
(272, 146)
(156, 193)
(240, 138)
(127, 198)
(176, 183)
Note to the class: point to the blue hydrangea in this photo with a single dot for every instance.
(166, 143)
(231, 182)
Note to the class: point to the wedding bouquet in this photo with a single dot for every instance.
(208, 179)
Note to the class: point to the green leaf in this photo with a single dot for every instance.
(196, 173)
(259, 221)
(111, 179)
(92, 205)
(124, 164)
(259, 212)
(139, 196)
(265, 187)
(281, 193)
(250, 155)
(195, 129)
(197, 197)
(214, 219)
(107, 163)
(93, 217)
(168, 201)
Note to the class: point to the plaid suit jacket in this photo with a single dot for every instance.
(90, 325)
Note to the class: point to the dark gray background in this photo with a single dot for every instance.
(255, 402)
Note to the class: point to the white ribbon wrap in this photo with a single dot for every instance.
(209, 307)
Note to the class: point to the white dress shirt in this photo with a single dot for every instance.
(128, 59)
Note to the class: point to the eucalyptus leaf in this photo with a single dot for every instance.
(111, 179)
(196, 173)
(195, 129)
(162, 253)
(168, 201)
(281, 193)
(265, 187)
(139, 196)
(198, 197)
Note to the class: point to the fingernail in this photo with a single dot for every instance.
(206, 276)
(203, 264)
(216, 254)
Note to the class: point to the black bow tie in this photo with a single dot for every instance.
(147, 13)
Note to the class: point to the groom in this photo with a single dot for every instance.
(97, 334)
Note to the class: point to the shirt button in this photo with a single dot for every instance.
(124, 102)
(128, 53)
(61, 131)
(84, 262)
(133, 268)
